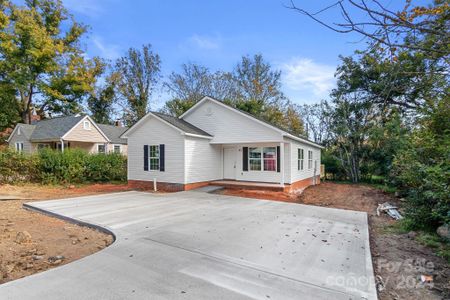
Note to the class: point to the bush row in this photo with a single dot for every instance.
(55, 167)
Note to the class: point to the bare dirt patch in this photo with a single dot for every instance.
(31, 242)
(399, 260)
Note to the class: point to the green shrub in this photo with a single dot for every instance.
(106, 167)
(17, 167)
(62, 167)
(54, 167)
(422, 175)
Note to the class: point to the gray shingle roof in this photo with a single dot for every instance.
(113, 133)
(54, 128)
(26, 129)
(181, 124)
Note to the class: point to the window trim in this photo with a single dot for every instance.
(262, 159)
(98, 148)
(86, 125)
(19, 146)
(300, 159)
(152, 167)
(310, 159)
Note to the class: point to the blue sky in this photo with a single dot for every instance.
(217, 33)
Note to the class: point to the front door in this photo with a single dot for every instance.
(229, 163)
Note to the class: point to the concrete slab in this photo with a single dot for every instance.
(193, 245)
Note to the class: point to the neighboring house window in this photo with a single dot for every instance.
(42, 146)
(300, 159)
(87, 125)
(310, 159)
(101, 148)
(153, 157)
(116, 148)
(19, 147)
(262, 158)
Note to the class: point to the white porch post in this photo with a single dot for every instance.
(62, 145)
(282, 163)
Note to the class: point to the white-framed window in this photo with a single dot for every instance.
(19, 147)
(262, 159)
(153, 157)
(300, 159)
(101, 148)
(87, 125)
(116, 149)
(310, 159)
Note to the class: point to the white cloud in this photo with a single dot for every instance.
(205, 42)
(108, 51)
(305, 75)
(91, 8)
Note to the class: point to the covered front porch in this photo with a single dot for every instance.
(254, 166)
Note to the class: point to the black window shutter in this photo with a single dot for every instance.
(162, 157)
(145, 157)
(245, 158)
(278, 159)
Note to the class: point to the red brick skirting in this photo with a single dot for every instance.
(178, 187)
(301, 184)
(165, 186)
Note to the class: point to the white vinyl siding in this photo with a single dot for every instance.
(203, 161)
(297, 174)
(227, 126)
(156, 132)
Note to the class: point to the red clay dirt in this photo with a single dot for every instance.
(31, 242)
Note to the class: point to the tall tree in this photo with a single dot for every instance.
(317, 119)
(257, 81)
(193, 83)
(41, 58)
(137, 76)
(101, 102)
(415, 28)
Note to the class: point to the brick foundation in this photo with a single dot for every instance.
(301, 184)
(165, 186)
(178, 187)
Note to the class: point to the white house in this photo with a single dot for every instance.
(213, 143)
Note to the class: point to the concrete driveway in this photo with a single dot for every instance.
(195, 245)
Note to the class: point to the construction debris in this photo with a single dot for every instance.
(426, 278)
(390, 210)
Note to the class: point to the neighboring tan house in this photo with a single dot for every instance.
(68, 132)
(215, 144)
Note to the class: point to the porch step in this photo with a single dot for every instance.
(246, 185)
